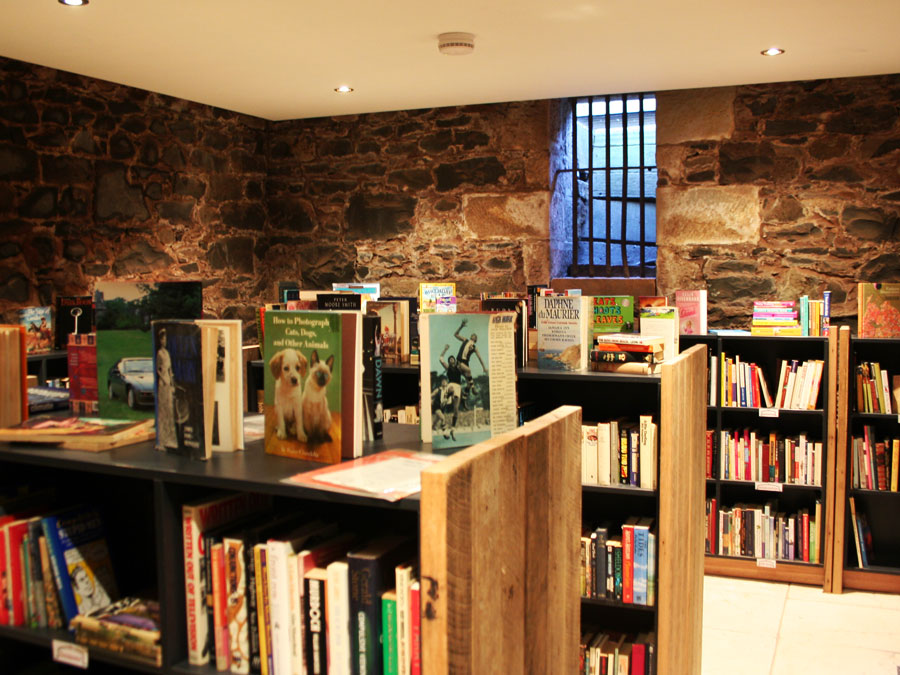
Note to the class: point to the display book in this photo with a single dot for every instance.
(274, 593)
(55, 563)
(81, 363)
(87, 433)
(38, 324)
(13, 375)
(878, 310)
(467, 377)
(198, 386)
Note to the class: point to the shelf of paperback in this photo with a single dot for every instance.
(766, 457)
(867, 536)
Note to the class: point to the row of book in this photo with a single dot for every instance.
(876, 391)
(603, 652)
(281, 594)
(620, 563)
(874, 461)
(743, 384)
(747, 454)
(862, 536)
(763, 532)
(54, 563)
(619, 452)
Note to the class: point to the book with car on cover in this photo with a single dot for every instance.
(467, 377)
(313, 385)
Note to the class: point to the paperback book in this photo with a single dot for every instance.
(467, 377)
(612, 314)
(81, 361)
(313, 385)
(74, 315)
(564, 330)
(662, 322)
(878, 310)
(38, 322)
(691, 311)
(430, 293)
(394, 331)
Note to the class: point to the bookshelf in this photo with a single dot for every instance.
(676, 400)
(140, 492)
(879, 506)
(732, 486)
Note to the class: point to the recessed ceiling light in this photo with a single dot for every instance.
(73, 3)
(772, 51)
(343, 89)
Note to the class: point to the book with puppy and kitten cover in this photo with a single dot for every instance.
(313, 384)
(467, 377)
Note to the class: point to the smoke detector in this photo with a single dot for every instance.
(456, 44)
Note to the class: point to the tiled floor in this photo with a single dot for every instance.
(760, 628)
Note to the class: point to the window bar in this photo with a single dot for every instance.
(590, 200)
(574, 104)
(608, 191)
(624, 184)
(642, 205)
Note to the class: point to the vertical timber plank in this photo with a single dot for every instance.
(837, 476)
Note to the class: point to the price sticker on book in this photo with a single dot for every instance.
(765, 562)
(770, 487)
(768, 412)
(70, 654)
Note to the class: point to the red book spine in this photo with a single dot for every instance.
(747, 468)
(220, 603)
(765, 462)
(805, 535)
(415, 626)
(628, 564)
(754, 377)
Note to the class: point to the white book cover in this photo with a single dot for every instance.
(603, 476)
(337, 606)
(662, 321)
(647, 452)
(589, 468)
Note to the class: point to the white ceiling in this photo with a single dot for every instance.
(282, 59)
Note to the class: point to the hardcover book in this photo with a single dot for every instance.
(130, 626)
(412, 325)
(564, 329)
(520, 307)
(341, 301)
(313, 385)
(123, 313)
(81, 358)
(662, 322)
(74, 315)
(467, 377)
(394, 330)
(878, 310)
(691, 311)
(38, 322)
(373, 384)
(612, 313)
(13, 374)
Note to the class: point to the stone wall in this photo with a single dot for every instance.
(100, 181)
(779, 190)
(455, 193)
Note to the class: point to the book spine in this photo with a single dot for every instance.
(628, 564)
(389, 622)
(220, 621)
(641, 542)
(266, 660)
(194, 593)
(415, 630)
(60, 571)
(316, 646)
(236, 594)
(255, 656)
(337, 605)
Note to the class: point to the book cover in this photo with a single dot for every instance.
(370, 289)
(429, 292)
(313, 385)
(563, 329)
(198, 517)
(314, 606)
(124, 312)
(51, 595)
(662, 322)
(373, 383)
(878, 310)
(81, 361)
(394, 330)
(467, 377)
(179, 391)
(78, 542)
(74, 315)
(612, 313)
(371, 573)
(44, 399)
(389, 639)
(519, 306)
(412, 303)
(220, 617)
(340, 301)
(337, 604)
(38, 323)
(691, 311)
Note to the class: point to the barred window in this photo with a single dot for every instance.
(613, 188)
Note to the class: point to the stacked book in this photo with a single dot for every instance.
(626, 353)
(775, 317)
(129, 627)
(619, 564)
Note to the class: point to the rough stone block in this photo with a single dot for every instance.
(707, 215)
(694, 114)
(517, 215)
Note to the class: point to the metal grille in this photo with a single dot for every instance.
(614, 185)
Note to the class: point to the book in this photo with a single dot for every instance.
(123, 313)
(564, 332)
(81, 362)
(83, 568)
(612, 313)
(74, 315)
(520, 307)
(389, 639)
(467, 377)
(313, 385)
(38, 323)
(412, 325)
(337, 604)
(197, 517)
(662, 322)
(370, 289)
(878, 310)
(403, 578)
(371, 573)
(372, 378)
(13, 373)
(415, 628)
(220, 607)
(44, 399)
(315, 615)
(394, 328)
(340, 301)
(430, 292)
(130, 627)
(691, 311)
(198, 386)
(92, 434)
